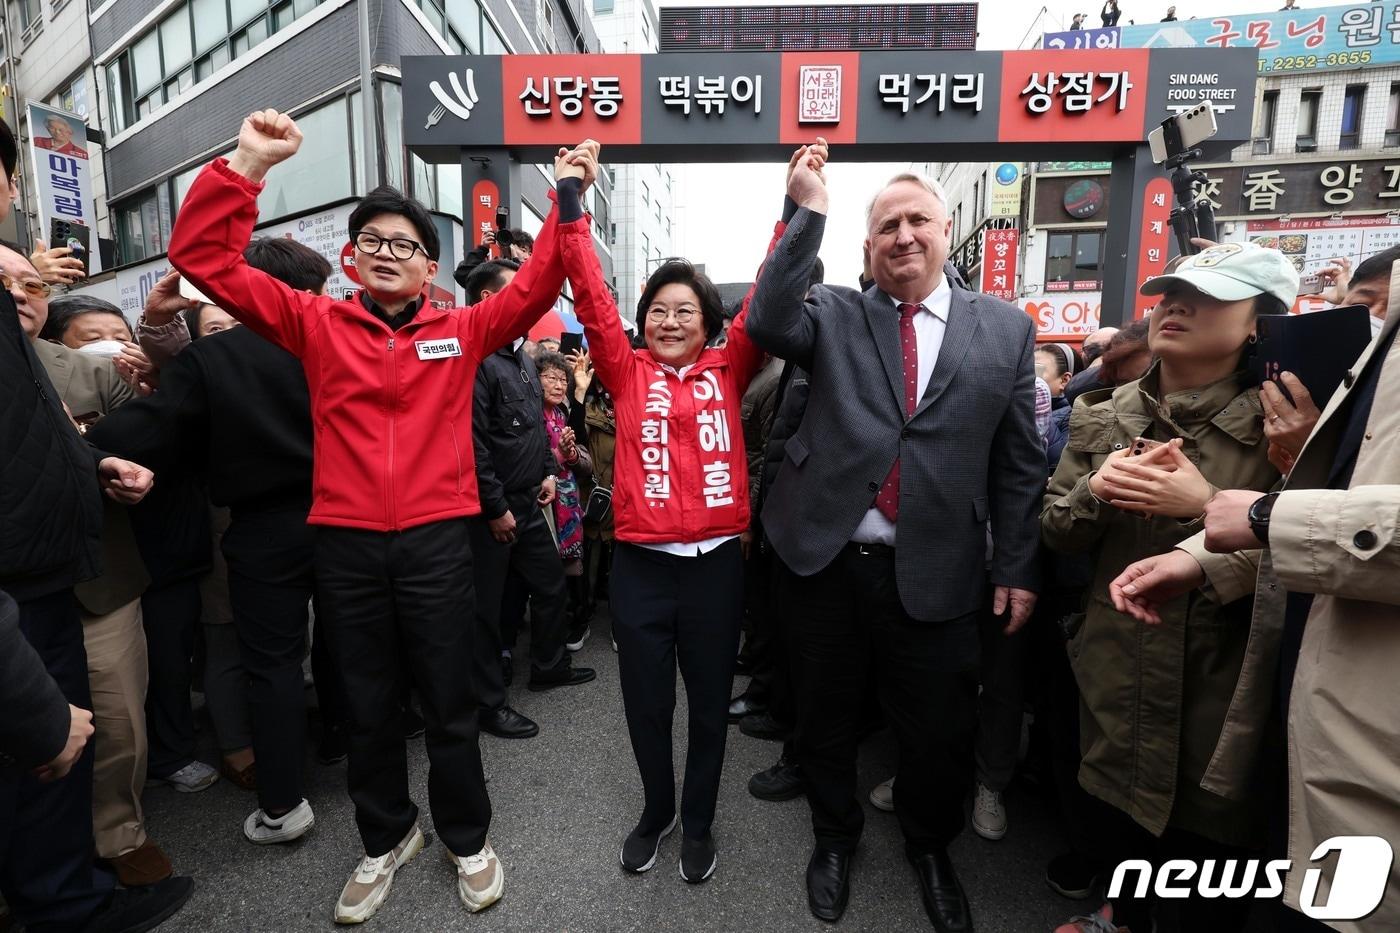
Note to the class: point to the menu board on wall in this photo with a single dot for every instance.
(1313, 244)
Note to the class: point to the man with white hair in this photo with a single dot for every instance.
(919, 431)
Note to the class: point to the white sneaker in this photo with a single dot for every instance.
(192, 778)
(265, 830)
(882, 797)
(988, 814)
(370, 884)
(480, 878)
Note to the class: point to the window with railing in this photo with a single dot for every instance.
(190, 44)
(31, 18)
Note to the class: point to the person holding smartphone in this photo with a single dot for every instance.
(1142, 461)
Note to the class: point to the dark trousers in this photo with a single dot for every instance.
(1122, 838)
(169, 614)
(394, 601)
(534, 557)
(1001, 702)
(270, 582)
(47, 873)
(668, 611)
(515, 599)
(330, 686)
(849, 629)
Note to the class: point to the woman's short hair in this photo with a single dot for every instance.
(552, 359)
(1265, 303)
(681, 272)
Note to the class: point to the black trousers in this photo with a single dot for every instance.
(668, 611)
(395, 601)
(270, 582)
(769, 683)
(170, 615)
(534, 557)
(850, 629)
(47, 873)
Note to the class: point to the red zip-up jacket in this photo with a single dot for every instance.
(680, 474)
(391, 410)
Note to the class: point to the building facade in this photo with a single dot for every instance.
(166, 85)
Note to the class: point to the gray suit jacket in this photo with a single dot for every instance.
(91, 384)
(969, 453)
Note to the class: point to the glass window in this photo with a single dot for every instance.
(131, 239)
(434, 15)
(243, 10)
(491, 41)
(357, 144)
(424, 181)
(449, 186)
(282, 16)
(145, 59)
(175, 41)
(1058, 253)
(182, 184)
(1086, 257)
(1352, 106)
(257, 31)
(210, 22)
(118, 98)
(1308, 105)
(1392, 117)
(29, 12)
(465, 17)
(305, 6)
(391, 124)
(240, 44)
(150, 224)
(602, 6)
(321, 170)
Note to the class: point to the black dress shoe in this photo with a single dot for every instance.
(563, 677)
(783, 781)
(828, 884)
(743, 705)
(764, 726)
(506, 723)
(944, 899)
(135, 910)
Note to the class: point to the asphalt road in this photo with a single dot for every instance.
(563, 804)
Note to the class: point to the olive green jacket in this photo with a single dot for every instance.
(1154, 697)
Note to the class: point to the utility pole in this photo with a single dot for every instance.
(368, 105)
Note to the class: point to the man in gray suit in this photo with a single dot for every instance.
(919, 431)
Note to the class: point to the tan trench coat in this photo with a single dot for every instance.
(1153, 698)
(1344, 713)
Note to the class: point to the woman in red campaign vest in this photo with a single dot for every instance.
(680, 501)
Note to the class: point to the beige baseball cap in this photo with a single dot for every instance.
(1233, 272)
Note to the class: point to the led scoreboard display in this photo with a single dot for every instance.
(815, 28)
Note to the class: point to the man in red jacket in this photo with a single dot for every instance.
(393, 481)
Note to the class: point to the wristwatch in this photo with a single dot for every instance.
(1259, 512)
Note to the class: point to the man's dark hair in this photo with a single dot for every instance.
(522, 239)
(9, 150)
(285, 259)
(389, 200)
(1376, 267)
(818, 275)
(681, 272)
(488, 275)
(65, 308)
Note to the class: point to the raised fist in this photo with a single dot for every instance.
(266, 138)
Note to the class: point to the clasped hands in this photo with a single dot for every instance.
(1162, 481)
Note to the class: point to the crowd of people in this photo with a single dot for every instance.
(886, 502)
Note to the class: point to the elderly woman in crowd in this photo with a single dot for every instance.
(575, 462)
(1141, 462)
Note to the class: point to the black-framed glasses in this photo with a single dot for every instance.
(399, 247)
(34, 288)
(683, 315)
(554, 376)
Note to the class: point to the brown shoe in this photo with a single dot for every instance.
(246, 778)
(142, 866)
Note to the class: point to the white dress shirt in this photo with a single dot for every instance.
(692, 548)
(930, 324)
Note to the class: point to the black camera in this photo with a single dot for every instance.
(503, 235)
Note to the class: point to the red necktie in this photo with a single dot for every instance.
(887, 501)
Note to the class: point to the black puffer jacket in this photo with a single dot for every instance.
(50, 502)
